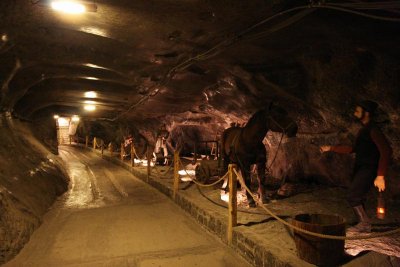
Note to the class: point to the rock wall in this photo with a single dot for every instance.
(31, 178)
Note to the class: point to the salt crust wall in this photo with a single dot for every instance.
(31, 177)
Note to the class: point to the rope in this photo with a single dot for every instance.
(96, 143)
(226, 207)
(134, 150)
(332, 6)
(164, 174)
(168, 170)
(359, 237)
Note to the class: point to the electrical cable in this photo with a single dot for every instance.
(244, 35)
(392, 19)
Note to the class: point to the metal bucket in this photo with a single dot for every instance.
(316, 250)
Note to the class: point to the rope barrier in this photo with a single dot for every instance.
(168, 170)
(164, 174)
(335, 237)
(95, 143)
(226, 206)
(359, 237)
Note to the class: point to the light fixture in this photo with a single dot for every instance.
(73, 7)
(4, 37)
(56, 116)
(90, 107)
(91, 78)
(90, 94)
(75, 118)
(380, 208)
(90, 65)
(68, 7)
(62, 122)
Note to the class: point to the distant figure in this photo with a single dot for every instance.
(373, 153)
(161, 143)
(128, 140)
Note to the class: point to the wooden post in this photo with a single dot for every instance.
(132, 155)
(122, 151)
(148, 164)
(94, 142)
(176, 174)
(232, 206)
(87, 141)
(70, 139)
(111, 148)
(102, 147)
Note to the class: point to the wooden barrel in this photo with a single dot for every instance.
(206, 169)
(316, 250)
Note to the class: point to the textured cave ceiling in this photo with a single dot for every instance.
(198, 59)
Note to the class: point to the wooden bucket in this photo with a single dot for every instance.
(316, 250)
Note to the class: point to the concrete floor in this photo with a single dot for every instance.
(110, 218)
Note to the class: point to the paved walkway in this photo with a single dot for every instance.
(110, 218)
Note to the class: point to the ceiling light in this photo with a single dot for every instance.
(91, 78)
(56, 116)
(90, 94)
(4, 37)
(93, 66)
(68, 7)
(63, 122)
(75, 118)
(90, 107)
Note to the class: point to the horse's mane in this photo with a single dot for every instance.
(256, 117)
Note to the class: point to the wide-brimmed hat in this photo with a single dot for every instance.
(368, 105)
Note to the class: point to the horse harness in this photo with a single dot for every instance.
(236, 138)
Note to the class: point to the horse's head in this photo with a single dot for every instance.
(279, 121)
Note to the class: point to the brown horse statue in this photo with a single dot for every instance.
(243, 145)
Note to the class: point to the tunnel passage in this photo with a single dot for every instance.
(199, 66)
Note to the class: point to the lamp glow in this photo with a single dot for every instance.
(90, 94)
(63, 122)
(90, 107)
(91, 78)
(56, 116)
(4, 37)
(380, 208)
(75, 118)
(93, 66)
(68, 7)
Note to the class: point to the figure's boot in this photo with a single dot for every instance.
(252, 203)
(364, 222)
(263, 195)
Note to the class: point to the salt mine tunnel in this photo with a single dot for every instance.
(79, 85)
